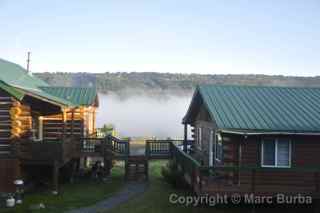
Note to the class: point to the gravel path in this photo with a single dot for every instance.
(130, 190)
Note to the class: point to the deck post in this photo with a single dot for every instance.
(185, 145)
(72, 122)
(64, 120)
(107, 161)
(146, 167)
(55, 178)
(74, 170)
(147, 149)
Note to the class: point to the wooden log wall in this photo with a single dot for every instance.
(9, 166)
(54, 130)
(21, 120)
(5, 120)
(54, 126)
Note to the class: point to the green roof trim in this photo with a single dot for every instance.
(11, 90)
(261, 109)
(78, 96)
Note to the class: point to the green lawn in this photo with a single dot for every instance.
(79, 194)
(156, 198)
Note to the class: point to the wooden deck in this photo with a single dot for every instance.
(47, 152)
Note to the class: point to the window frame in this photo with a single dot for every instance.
(199, 135)
(276, 142)
(211, 148)
(218, 140)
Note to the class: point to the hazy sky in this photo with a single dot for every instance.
(208, 36)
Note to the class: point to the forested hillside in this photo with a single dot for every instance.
(164, 83)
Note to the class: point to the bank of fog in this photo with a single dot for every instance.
(147, 116)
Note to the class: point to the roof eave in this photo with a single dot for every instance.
(257, 132)
(59, 104)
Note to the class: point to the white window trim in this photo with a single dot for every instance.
(199, 138)
(211, 141)
(276, 155)
(41, 128)
(39, 136)
(217, 140)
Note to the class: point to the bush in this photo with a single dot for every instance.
(173, 176)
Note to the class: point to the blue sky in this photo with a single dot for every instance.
(208, 36)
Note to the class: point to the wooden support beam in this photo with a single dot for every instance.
(146, 167)
(55, 178)
(185, 145)
(64, 119)
(74, 170)
(72, 122)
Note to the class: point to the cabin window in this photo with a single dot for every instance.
(199, 138)
(276, 153)
(218, 148)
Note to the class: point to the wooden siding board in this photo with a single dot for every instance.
(305, 154)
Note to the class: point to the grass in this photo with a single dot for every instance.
(156, 200)
(72, 196)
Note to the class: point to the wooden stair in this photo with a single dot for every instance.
(136, 168)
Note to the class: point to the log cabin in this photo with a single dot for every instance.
(40, 124)
(253, 139)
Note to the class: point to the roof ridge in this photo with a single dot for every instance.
(76, 87)
(255, 86)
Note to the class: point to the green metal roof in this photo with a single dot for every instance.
(18, 82)
(78, 96)
(15, 75)
(11, 90)
(265, 109)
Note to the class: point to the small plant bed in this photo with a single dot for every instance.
(84, 192)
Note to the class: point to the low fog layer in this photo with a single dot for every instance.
(137, 116)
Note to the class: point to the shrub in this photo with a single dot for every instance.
(173, 176)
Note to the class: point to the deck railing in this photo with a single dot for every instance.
(91, 144)
(254, 179)
(274, 180)
(162, 149)
(190, 167)
(46, 150)
(120, 147)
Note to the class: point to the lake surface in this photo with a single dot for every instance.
(146, 116)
